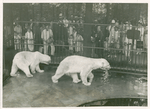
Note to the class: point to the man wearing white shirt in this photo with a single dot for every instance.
(46, 34)
(29, 40)
(111, 29)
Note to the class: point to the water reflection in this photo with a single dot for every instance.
(123, 83)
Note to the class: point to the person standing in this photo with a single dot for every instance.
(7, 34)
(37, 35)
(45, 35)
(42, 27)
(122, 35)
(51, 41)
(78, 39)
(145, 39)
(111, 29)
(128, 42)
(99, 41)
(31, 24)
(24, 29)
(93, 40)
(17, 36)
(117, 36)
(141, 29)
(70, 38)
(29, 40)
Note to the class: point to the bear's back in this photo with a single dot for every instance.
(24, 56)
(76, 59)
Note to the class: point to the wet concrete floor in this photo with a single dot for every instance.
(39, 91)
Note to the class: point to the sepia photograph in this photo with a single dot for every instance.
(74, 54)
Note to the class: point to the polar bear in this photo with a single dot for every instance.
(25, 59)
(72, 65)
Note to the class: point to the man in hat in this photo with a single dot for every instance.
(66, 22)
(60, 17)
(111, 29)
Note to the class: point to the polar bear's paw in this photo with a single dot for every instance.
(87, 84)
(54, 80)
(76, 81)
(14, 74)
(29, 75)
(41, 71)
(33, 71)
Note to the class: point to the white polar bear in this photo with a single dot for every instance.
(25, 59)
(72, 65)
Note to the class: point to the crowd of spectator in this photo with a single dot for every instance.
(121, 35)
(46, 37)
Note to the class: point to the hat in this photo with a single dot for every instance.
(113, 21)
(44, 19)
(139, 22)
(60, 15)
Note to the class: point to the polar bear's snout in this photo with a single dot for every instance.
(46, 62)
(108, 67)
(46, 59)
(105, 65)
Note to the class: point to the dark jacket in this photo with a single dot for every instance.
(99, 40)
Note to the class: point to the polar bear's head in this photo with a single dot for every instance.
(104, 64)
(45, 59)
